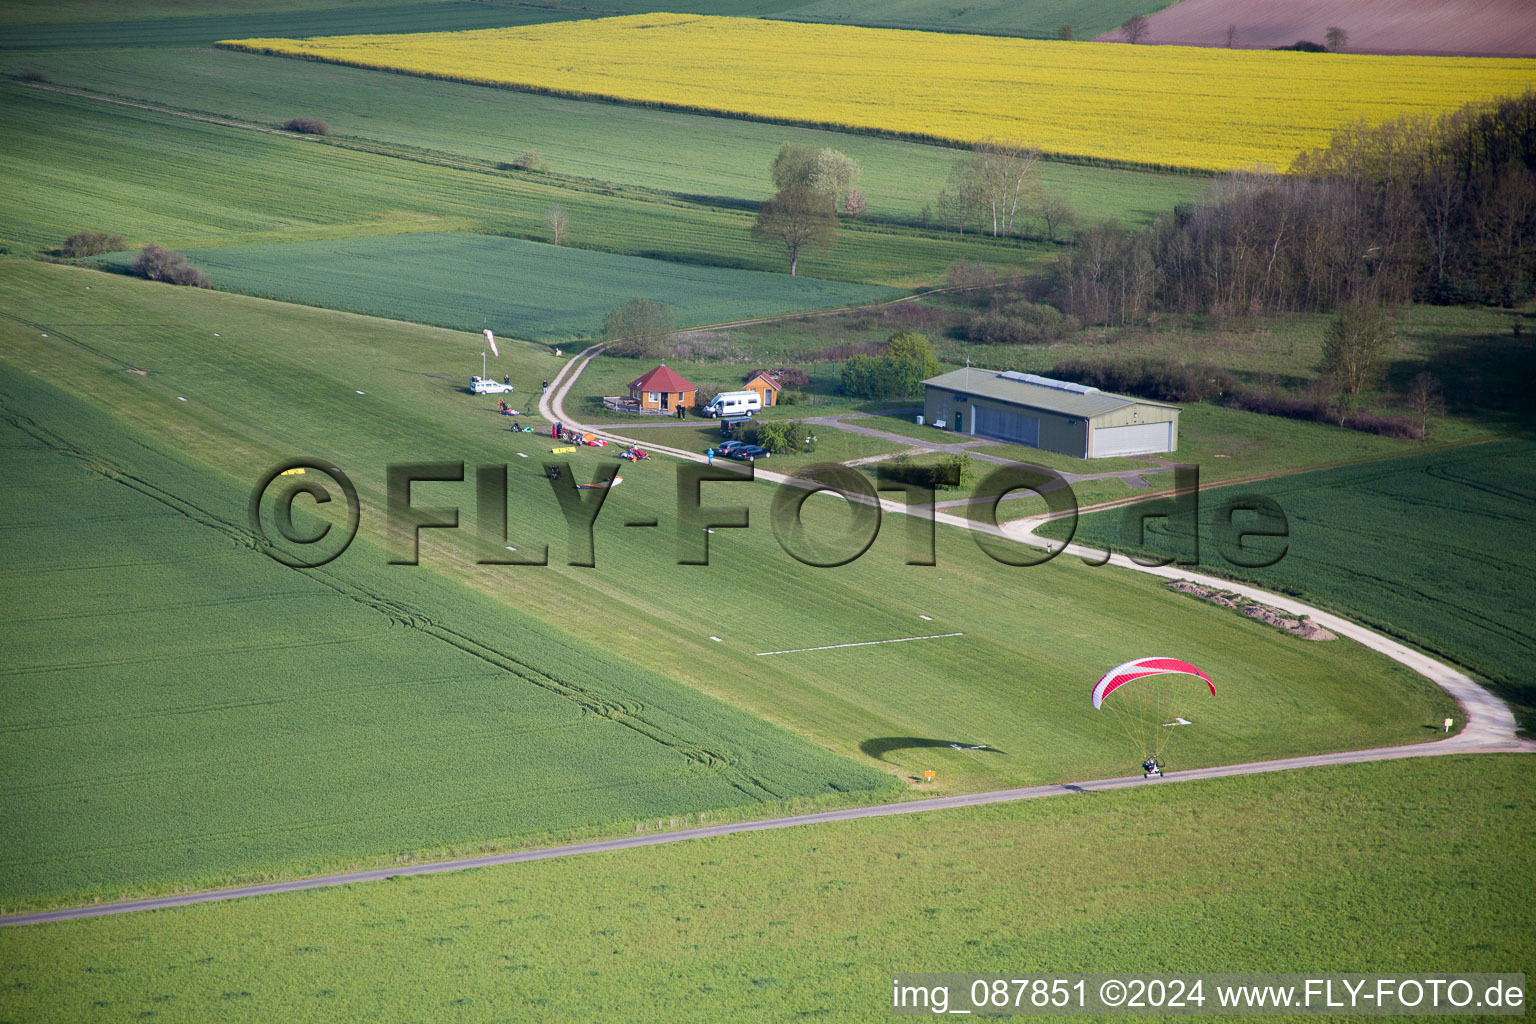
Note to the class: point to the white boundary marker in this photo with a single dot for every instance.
(862, 643)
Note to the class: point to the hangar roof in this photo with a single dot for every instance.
(1036, 392)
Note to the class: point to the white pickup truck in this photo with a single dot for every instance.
(487, 386)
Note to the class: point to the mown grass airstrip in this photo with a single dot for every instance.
(1179, 107)
(283, 380)
(179, 707)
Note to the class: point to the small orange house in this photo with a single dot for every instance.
(767, 388)
(662, 390)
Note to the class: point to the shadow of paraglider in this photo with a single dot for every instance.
(882, 745)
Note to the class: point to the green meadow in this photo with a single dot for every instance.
(180, 708)
(1040, 19)
(1433, 548)
(1406, 866)
(184, 183)
(523, 289)
(716, 161)
(183, 712)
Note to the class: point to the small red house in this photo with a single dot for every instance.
(766, 386)
(662, 390)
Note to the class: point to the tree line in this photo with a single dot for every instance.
(1439, 209)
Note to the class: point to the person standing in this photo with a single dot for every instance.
(711, 455)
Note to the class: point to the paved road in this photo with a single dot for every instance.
(1459, 744)
(1489, 727)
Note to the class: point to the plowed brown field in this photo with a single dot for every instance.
(1505, 28)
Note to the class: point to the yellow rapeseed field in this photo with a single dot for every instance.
(1182, 107)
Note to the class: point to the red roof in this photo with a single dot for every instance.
(662, 379)
(772, 381)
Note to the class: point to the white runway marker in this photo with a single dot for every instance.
(521, 455)
(362, 392)
(926, 618)
(861, 643)
(717, 640)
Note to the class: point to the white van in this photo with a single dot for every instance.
(734, 403)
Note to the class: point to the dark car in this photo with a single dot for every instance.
(726, 447)
(748, 452)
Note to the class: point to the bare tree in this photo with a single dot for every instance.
(559, 222)
(961, 197)
(1336, 38)
(638, 329)
(1426, 399)
(1007, 178)
(1135, 28)
(796, 217)
(1056, 215)
(1232, 36)
(1355, 351)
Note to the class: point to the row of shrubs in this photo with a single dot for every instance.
(1164, 380)
(1320, 410)
(307, 126)
(159, 264)
(154, 263)
(781, 436)
(948, 472)
(1021, 322)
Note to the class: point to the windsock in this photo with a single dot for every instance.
(491, 338)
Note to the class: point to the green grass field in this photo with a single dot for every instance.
(523, 289)
(1040, 19)
(1399, 867)
(720, 160)
(40, 25)
(156, 177)
(1428, 547)
(182, 708)
(266, 391)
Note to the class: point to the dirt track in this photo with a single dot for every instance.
(1478, 28)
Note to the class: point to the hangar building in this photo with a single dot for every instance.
(1053, 415)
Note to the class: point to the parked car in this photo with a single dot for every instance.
(726, 447)
(748, 453)
(487, 386)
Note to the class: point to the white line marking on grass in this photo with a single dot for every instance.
(861, 643)
(926, 618)
(717, 640)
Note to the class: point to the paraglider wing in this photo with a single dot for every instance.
(1148, 710)
(1140, 669)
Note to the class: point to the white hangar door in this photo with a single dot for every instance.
(1010, 426)
(1136, 439)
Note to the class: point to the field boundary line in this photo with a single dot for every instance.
(861, 643)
